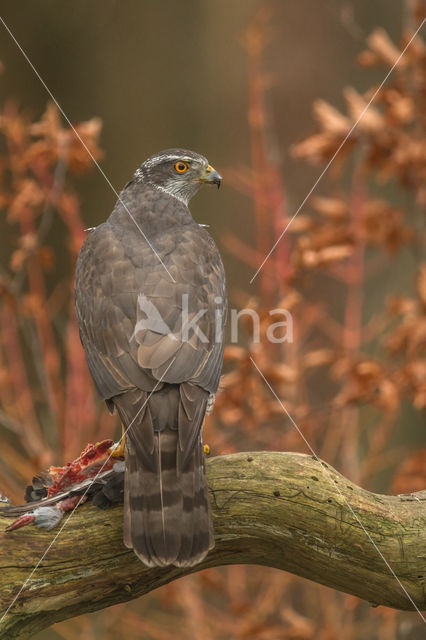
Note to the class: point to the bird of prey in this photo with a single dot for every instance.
(151, 304)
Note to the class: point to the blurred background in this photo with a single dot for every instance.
(268, 92)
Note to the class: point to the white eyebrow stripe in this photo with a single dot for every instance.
(154, 161)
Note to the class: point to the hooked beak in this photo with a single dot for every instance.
(211, 176)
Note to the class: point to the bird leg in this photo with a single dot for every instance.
(118, 452)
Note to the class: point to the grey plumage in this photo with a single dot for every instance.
(142, 364)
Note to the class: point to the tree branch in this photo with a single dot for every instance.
(283, 510)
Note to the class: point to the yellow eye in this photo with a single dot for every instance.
(181, 167)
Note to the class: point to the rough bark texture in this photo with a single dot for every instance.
(283, 510)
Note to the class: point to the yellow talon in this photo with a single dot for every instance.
(118, 452)
(206, 449)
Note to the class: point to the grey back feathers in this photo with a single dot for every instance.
(157, 379)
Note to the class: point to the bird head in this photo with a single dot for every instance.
(178, 172)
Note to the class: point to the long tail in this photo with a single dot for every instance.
(167, 512)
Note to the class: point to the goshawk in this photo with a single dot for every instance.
(151, 306)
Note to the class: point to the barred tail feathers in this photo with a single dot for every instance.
(167, 513)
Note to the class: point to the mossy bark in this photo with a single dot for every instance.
(283, 510)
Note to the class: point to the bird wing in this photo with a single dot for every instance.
(138, 326)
